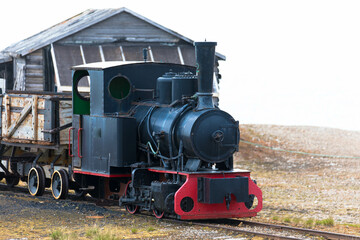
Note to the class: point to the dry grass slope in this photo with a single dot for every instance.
(303, 189)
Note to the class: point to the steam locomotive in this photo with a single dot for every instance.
(147, 135)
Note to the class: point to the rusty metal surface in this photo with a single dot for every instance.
(31, 145)
(24, 141)
(58, 129)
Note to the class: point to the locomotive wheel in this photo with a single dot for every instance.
(36, 181)
(60, 184)
(250, 203)
(94, 193)
(12, 181)
(158, 214)
(132, 209)
(79, 194)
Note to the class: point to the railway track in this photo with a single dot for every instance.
(239, 230)
(268, 231)
(224, 225)
(329, 235)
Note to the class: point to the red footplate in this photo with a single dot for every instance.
(188, 206)
(186, 198)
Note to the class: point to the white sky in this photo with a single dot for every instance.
(288, 62)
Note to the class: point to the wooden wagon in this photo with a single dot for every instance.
(34, 132)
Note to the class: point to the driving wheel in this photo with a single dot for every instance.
(131, 208)
(60, 184)
(36, 181)
(158, 214)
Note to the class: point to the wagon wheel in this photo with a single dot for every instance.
(158, 214)
(12, 180)
(36, 181)
(131, 208)
(60, 184)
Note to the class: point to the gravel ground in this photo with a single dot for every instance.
(300, 190)
(26, 217)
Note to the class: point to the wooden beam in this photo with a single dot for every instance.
(35, 116)
(151, 54)
(56, 71)
(180, 55)
(101, 53)
(19, 120)
(122, 53)
(7, 114)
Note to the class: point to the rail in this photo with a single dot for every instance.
(329, 235)
(222, 224)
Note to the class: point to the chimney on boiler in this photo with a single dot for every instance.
(205, 59)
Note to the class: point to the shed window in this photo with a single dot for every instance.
(188, 54)
(134, 53)
(112, 53)
(91, 54)
(166, 54)
(67, 56)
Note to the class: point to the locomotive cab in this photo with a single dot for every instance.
(104, 130)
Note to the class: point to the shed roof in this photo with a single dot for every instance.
(4, 57)
(74, 25)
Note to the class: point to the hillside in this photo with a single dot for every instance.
(299, 186)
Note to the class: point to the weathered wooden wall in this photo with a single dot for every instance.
(34, 71)
(123, 27)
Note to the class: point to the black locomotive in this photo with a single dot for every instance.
(149, 135)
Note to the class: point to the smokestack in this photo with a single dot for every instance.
(205, 59)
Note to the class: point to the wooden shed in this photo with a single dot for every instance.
(42, 62)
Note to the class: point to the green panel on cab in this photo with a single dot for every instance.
(81, 105)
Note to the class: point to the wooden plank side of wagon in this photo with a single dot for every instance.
(65, 115)
(22, 119)
(25, 119)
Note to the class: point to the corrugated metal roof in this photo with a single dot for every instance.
(71, 26)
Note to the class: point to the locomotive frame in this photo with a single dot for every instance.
(148, 135)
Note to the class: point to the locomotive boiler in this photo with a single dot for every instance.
(147, 135)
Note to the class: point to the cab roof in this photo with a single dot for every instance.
(104, 65)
